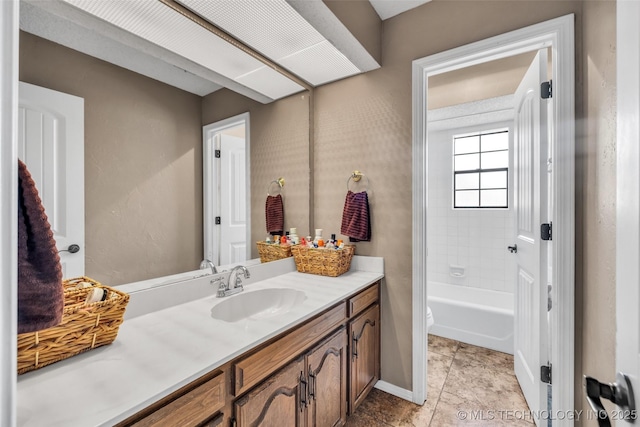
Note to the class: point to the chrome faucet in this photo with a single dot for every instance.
(206, 263)
(234, 282)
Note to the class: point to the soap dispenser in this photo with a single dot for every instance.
(293, 234)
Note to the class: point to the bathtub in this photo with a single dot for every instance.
(472, 315)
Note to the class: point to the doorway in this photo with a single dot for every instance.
(226, 190)
(556, 35)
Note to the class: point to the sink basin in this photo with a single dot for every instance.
(257, 305)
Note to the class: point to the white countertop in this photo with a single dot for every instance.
(157, 353)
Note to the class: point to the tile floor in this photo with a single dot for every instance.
(468, 386)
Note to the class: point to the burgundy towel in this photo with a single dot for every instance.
(355, 217)
(274, 211)
(40, 291)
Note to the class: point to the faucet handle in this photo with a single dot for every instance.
(218, 280)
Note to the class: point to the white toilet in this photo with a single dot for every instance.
(429, 319)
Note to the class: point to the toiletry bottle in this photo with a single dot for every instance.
(288, 237)
(283, 240)
(293, 233)
(268, 239)
(276, 239)
(331, 243)
(318, 235)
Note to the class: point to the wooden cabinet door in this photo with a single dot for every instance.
(279, 401)
(364, 342)
(327, 370)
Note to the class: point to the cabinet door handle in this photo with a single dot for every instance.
(303, 394)
(354, 347)
(356, 337)
(312, 384)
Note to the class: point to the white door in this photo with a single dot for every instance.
(233, 207)
(226, 192)
(530, 141)
(51, 144)
(628, 204)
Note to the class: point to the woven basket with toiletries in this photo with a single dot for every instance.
(273, 252)
(323, 262)
(92, 315)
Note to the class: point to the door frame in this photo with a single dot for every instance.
(9, 26)
(558, 34)
(210, 182)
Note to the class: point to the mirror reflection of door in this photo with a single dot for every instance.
(226, 191)
(51, 144)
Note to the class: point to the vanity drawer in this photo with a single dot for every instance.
(192, 407)
(364, 299)
(253, 369)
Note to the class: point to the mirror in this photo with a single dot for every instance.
(143, 161)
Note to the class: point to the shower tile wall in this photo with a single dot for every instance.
(475, 239)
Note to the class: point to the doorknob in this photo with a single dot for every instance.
(71, 249)
(620, 393)
(513, 249)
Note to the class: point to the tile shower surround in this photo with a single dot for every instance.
(476, 239)
(462, 377)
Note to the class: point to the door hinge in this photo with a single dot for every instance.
(545, 231)
(234, 423)
(545, 373)
(217, 154)
(546, 90)
(217, 220)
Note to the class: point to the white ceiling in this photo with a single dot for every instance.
(388, 8)
(150, 38)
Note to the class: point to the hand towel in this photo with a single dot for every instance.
(355, 217)
(40, 290)
(274, 211)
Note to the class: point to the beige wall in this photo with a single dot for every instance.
(279, 148)
(143, 167)
(483, 81)
(596, 197)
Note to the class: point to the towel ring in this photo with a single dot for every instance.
(279, 182)
(356, 176)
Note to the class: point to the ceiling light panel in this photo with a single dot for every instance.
(320, 64)
(269, 82)
(161, 25)
(271, 27)
(275, 29)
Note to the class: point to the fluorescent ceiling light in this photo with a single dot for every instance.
(276, 30)
(161, 25)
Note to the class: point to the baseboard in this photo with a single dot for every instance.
(394, 390)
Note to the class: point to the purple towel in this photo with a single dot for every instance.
(40, 290)
(355, 217)
(274, 211)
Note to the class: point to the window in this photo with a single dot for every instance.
(481, 170)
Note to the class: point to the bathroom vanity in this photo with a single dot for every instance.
(308, 361)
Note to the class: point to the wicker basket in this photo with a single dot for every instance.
(324, 262)
(83, 327)
(273, 252)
